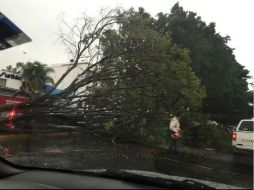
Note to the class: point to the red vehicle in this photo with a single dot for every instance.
(11, 114)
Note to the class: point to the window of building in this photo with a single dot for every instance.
(2, 82)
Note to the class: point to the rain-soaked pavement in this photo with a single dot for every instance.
(81, 152)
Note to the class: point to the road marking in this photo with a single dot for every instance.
(172, 160)
(223, 171)
(204, 167)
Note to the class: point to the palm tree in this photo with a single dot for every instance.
(34, 75)
(11, 69)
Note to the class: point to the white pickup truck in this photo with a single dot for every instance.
(242, 139)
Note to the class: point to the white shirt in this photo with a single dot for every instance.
(174, 124)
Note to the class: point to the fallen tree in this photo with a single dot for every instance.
(133, 80)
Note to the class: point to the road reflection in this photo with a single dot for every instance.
(78, 151)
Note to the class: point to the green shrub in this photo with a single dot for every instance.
(214, 137)
(159, 136)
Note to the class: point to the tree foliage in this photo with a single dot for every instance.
(11, 69)
(154, 77)
(139, 71)
(34, 76)
(213, 62)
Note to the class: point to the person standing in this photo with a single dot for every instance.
(174, 134)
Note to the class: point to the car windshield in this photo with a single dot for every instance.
(246, 126)
(154, 86)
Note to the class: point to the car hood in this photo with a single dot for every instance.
(172, 177)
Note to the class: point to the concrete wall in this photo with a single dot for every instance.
(60, 69)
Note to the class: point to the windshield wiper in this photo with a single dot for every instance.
(150, 180)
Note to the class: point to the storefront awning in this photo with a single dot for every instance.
(10, 34)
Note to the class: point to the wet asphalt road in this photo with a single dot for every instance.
(82, 152)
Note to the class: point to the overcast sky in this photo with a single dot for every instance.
(37, 18)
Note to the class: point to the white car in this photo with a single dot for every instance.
(242, 139)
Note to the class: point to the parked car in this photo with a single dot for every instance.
(242, 139)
